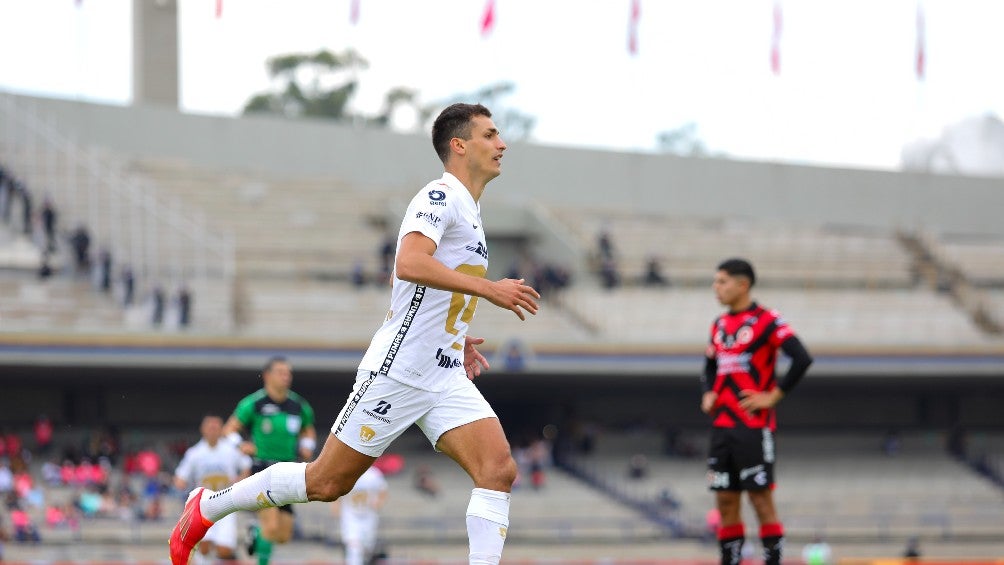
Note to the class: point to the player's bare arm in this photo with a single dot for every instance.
(416, 264)
(708, 401)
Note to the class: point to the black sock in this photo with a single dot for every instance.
(772, 546)
(732, 550)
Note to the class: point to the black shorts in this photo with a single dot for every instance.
(741, 459)
(262, 464)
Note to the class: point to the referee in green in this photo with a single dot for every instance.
(281, 427)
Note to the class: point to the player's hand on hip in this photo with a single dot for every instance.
(474, 361)
(513, 294)
(753, 400)
(248, 448)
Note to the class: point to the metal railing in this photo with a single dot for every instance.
(162, 240)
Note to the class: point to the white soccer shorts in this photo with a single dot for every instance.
(379, 409)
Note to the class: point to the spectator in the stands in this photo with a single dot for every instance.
(104, 277)
(24, 527)
(80, 240)
(49, 223)
(6, 187)
(604, 244)
(157, 299)
(184, 306)
(387, 250)
(6, 479)
(610, 277)
(43, 434)
(359, 274)
(128, 286)
(26, 206)
(653, 273)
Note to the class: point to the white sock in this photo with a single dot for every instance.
(487, 525)
(278, 485)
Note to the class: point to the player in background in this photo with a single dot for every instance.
(281, 427)
(214, 463)
(359, 513)
(420, 365)
(740, 392)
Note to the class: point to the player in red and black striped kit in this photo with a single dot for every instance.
(740, 392)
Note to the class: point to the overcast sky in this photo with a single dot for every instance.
(847, 93)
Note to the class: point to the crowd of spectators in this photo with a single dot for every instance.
(42, 227)
(93, 479)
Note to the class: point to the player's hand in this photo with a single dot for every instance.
(248, 448)
(708, 401)
(474, 361)
(513, 294)
(753, 400)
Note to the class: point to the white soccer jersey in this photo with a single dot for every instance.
(214, 467)
(421, 341)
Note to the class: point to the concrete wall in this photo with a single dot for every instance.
(379, 160)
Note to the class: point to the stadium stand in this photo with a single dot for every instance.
(840, 484)
(831, 317)
(285, 227)
(786, 255)
(979, 260)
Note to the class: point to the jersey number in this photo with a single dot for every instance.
(460, 306)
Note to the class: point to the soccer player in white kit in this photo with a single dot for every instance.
(420, 365)
(214, 464)
(360, 516)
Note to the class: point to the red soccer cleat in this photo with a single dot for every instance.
(189, 530)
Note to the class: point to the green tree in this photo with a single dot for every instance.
(683, 140)
(322, 84)
(310, 85)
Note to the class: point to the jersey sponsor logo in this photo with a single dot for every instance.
(437, 195)
(447, 362)
(266, 426)
(481, 249)
(366, 433)
(718, 479)
(729, 363)
(429, 217)
(269, 409)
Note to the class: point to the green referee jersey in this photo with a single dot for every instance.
(275, 426)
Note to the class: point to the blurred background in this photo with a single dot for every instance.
(188, 187)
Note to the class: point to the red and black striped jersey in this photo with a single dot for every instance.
(744, 348)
